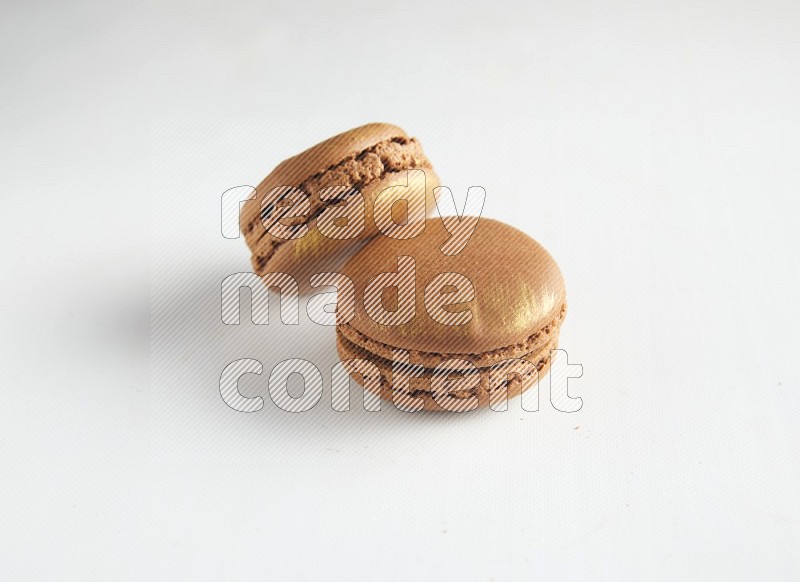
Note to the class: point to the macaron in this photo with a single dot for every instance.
(315, 208)
(484, 320)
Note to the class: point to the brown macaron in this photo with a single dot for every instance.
(465, 347)
(331, 209)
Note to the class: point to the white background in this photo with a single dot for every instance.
(651, 147)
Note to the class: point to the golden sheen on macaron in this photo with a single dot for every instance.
(483, 323)
(308, 214)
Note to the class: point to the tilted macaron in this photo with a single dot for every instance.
(367, 159)
(516, 308)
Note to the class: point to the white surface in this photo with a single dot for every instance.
(652, 149)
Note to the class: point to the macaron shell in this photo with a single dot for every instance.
(331, 152)
(519, 289)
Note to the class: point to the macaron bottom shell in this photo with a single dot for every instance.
(420, 386)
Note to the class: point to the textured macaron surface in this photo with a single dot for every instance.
(366, 158)
(518, 305)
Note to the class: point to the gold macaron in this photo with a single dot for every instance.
(299, 220)
(487, 317)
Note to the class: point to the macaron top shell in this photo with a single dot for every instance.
(330, 152)
(316, 160)
(519, 292)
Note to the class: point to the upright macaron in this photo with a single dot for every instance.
(310, 212)
(484, 320)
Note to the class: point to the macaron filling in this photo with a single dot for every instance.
(540, 360)
(355, 172)
(431, 359)
(535, 349)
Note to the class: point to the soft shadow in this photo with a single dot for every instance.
(191, 346)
